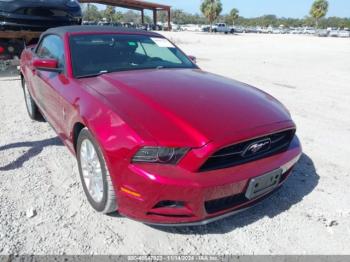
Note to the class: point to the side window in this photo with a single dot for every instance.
(52, 47)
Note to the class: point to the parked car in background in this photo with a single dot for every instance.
(22, 22)
(142, 27)
(343, 33)
(104, 23)
(265, 30)
(322, 32)
(89, 23)
(296, 31)
(238, 29)
(205, 29)
(176, 27)
(38, 15)
(309, 31)
(191, 28)
(155, 137)
(276, 31)
(250, 30)
(222, 28)
(334, 33)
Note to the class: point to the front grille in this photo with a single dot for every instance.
(221, 204)
(225, 203)
(237, 154)
(218, 205)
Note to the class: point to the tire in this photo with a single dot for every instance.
(31, 106)
(94, 174)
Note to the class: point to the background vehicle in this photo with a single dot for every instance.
(238, 29)
(334, 33)
(344, 33)
(276, 31)
(104, 23)
(89, 23)
(21, 22)
(322, 33)
(252, 30)
(309, 31)
(222, 28)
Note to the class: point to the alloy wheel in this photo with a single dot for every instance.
(92, 170)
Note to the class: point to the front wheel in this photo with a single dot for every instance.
(32, 108)
(94, 175)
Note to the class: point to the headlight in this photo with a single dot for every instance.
(72, 3)
(162, 155)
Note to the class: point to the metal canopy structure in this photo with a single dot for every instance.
(136, 5)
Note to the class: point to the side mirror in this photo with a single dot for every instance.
(46, 65)
(193, 59)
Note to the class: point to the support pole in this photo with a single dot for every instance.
(169, 20)
(155, 18)
(142, 17)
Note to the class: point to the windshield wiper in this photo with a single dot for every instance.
(93, 75)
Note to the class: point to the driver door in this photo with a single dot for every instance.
(47, 83)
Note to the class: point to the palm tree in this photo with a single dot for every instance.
(211, 10)
(109, 13)
(319, 10)
(234, 14)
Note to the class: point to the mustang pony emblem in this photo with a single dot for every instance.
(257, 147)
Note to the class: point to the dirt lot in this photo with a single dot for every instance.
(309, 215)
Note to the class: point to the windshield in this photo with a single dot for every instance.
(105, 53)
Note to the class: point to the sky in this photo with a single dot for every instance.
(254, 8)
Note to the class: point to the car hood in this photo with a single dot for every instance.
(188, 107)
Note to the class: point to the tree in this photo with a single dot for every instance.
(162, 16)
(319, 10)
(211, 9)
(109, 13)
(91, 13)
(234, 14)
(131, 17)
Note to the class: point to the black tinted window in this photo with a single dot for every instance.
(52, 47)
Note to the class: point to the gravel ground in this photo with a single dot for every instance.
(43, 209)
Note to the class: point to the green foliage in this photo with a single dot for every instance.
(180, 17)
(234, 15)
(91, 13)
(319, 10)
(109, 13)
(211, 9)
(132, 17)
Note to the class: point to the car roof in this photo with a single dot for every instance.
(63, 30)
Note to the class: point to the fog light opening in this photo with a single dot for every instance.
(170, 204)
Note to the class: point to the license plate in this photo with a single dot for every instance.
(263, 184)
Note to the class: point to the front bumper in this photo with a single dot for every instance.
(205, 196)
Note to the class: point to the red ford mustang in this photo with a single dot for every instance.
(157, 138)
